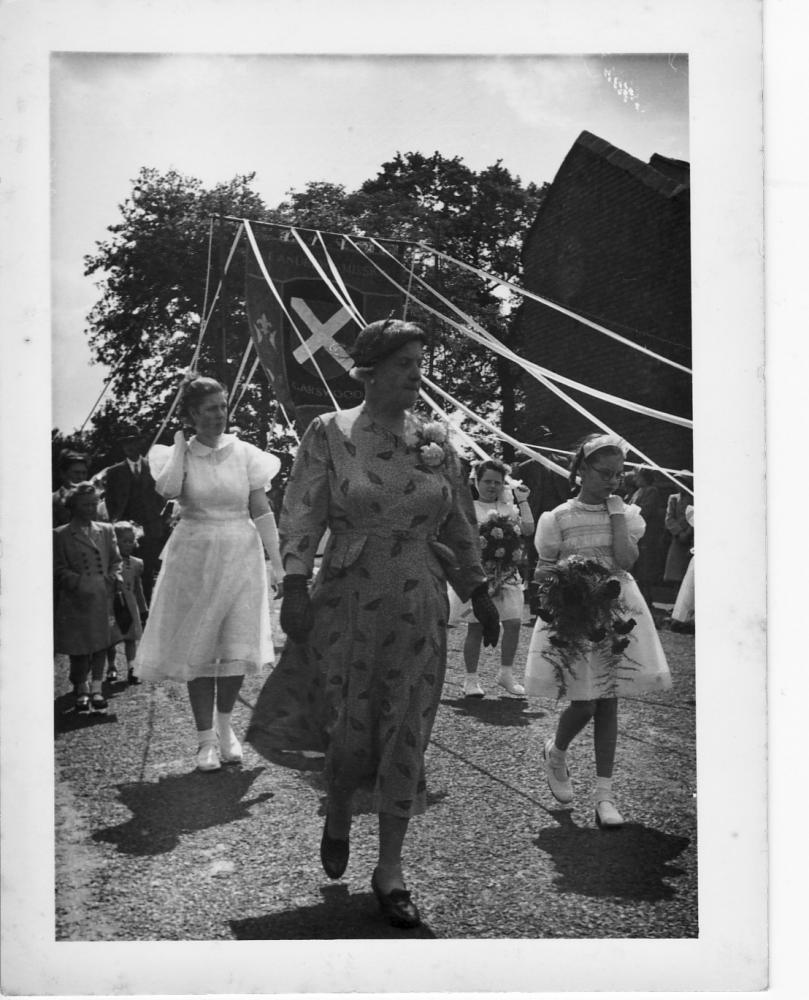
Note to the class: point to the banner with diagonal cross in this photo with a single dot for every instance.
(301, 331)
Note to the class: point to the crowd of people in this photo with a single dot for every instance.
(413, 547)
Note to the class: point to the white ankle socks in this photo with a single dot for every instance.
(603, 792)
(206, 736)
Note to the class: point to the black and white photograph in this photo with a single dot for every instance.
(393, 390)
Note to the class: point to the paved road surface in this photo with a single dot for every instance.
(148, 849)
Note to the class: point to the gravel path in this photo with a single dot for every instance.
(148, 849)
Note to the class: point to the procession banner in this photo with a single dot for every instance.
(302, 340)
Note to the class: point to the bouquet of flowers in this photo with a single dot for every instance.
(580, 601)
(429, 437)
(501, 549)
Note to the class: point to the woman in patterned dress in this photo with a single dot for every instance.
(360, 678)
(209, 619)
(597, 525)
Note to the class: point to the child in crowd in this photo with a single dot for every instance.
(128, 534)
(593, 673)
(87, 572)
(496, 499)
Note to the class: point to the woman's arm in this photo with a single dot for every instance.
(264, 520)
(624, 549)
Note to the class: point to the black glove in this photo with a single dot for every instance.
(486, 613)
(297, 616)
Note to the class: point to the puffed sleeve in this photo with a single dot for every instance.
(548, 537)
(159, 455)
(635, 524)
(304, 512)
(262, 467)
(459, 533)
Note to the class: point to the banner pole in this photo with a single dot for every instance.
(223, 342)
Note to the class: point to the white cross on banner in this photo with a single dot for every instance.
(322, 334)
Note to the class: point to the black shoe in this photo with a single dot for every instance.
(98, 704)
(131, 678)
(333, 853)
(397, 906)
(112, 676)
(82, 704)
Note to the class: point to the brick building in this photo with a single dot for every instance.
(611, 242)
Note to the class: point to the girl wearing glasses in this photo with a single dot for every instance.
(595, 524)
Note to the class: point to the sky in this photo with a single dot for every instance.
(295, 119)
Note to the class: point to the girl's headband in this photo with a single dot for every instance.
(604, 441)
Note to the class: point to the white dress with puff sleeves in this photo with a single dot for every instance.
(585, 530)
(210, 614)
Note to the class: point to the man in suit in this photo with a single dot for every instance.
(131, 496)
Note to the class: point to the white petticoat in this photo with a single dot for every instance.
(209, 614)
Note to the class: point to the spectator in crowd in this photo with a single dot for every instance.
(209, 617)
(681, 532)
(73, 467)
(87, 571)
(648, 568)
(130, 495)
(505, 582)
(361, 674)
(126, 534)
(682, 615)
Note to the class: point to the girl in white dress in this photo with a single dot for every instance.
(209, 621)
(507, 594)
(597, 525)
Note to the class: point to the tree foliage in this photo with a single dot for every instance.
(157, 273)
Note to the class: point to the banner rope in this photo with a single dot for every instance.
(554, 305)
(485, 338)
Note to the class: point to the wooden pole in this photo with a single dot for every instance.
(222, 365)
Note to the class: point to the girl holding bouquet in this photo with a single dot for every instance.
(594, 639)
(502, 522)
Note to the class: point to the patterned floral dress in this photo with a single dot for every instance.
(363, 689)
(584, 529)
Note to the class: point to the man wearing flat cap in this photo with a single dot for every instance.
(131, 496)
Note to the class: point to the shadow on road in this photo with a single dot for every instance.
(494, 711)
(629, 863)
(65, 719)
(340, 916)
(162, 810)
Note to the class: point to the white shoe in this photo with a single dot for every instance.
(505, 678)
(471, 687)
(558, 775)
(607, 816)
(208, 758)
(230, 750)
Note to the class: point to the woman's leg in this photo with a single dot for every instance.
(227, 691)
(605, 731)
(574, 718)
(508, 650)
(605, 734)
(571, 722)
(392, 832)
(471, 656)
(79, 673)
(471, 647)
(201, 695)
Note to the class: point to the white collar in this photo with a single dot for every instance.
(135, 466)
(198, 448)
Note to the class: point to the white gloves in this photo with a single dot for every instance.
(615, 505)
(268, 533)
(169, 482)
(519, 491)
